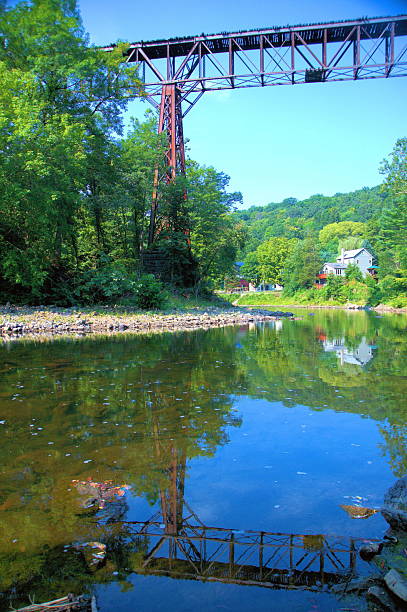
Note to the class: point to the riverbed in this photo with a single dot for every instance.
(201, 470)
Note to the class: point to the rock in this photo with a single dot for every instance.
(357, 585)
(397, 584)
(380, 597)
(370, 550)
(395, 505)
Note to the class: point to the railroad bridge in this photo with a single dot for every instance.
(177, 72)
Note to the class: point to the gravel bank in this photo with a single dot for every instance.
(22, 321)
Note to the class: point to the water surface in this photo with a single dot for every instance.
(233, 451)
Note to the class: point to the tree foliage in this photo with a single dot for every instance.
(272, 256)
(76, 192)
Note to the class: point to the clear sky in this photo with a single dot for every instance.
(274, 142)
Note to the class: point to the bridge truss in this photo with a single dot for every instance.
(252, 558)
(177, 72)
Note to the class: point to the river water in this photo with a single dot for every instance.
(207, 469)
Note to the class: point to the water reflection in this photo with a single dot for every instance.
(143, 412)
(360, 355)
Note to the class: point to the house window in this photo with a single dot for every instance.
(338, 271)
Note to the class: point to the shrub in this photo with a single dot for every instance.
(335, 289)
(105, 284)
(397, 302)
(149, 292)
(356, 292)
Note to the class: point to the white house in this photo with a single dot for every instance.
(362, 258)
(266, 287)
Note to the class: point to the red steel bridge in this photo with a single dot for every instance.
(178, 71)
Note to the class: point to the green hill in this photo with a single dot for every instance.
(293, 218)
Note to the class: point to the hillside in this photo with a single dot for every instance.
(293, 218)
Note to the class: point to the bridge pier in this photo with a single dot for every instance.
(170, 122)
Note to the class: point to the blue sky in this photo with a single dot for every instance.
(274, 142)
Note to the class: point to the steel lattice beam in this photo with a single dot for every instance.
(349, 50)
(177, 72)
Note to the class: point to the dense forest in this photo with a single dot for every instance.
(76, 188)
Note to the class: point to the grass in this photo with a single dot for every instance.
(275, 298)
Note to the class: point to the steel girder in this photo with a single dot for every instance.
(177, 72)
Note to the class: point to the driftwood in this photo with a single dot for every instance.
(64, 604)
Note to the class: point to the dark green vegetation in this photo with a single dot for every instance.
(75, 192)
(287, 243)
(121, 409)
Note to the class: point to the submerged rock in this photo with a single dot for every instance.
(395, 505)
(370, 550)
(382, 600)
(397, 584)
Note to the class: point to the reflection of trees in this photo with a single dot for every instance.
(292, 367)
(344, 375)
(141, 408)
(395, 447)
(131, 438)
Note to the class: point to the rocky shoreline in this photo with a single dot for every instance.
(17, 322)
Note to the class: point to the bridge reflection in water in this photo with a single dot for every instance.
(179, 545)
(253, 558)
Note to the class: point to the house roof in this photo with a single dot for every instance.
(352, 253)
(334, 265)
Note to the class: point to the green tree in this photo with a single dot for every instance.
(391, 241)
(250, 269)
(302, 265)
(215, 235)
(395, 169)
(344, 229)
(353, 272)
(272, 256)
(56, 95)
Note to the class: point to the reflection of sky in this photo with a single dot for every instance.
(284, 470)
(360, 355)
(159, 593)
(289, 470)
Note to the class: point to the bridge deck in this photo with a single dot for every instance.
(273, 37)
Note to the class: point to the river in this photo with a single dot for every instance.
(208, 469)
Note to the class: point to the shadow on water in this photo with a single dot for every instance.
(147, 411)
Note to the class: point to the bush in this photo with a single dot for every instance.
(397, 302)
(357, 292)
(392, 285)
(149, 292)
(334, 289)
(105, 284)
